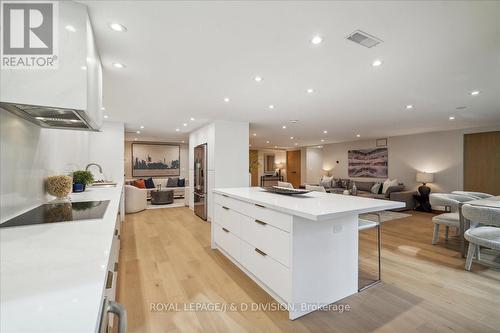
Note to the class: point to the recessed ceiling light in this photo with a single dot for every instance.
(322, 140)
(271, 106)
(103, 108)
(358, 135)
(267, 141)
(70, 28)
(138, 132)
(106, 116)
(142, 126)
(226, 99)
(192, 119)
(461, 107)
(296, 143)
(255, 134)
(316, 40)
(183, 141)
(451, 118)
(409, 106)
(294, 121)
(117, 27)
(310, 90)
(325, 132)
(258, 78)
(275, 146)
(84, 68)
(177, 130)
(118, 65)
(283, 127)
(184, 124)
(135, 139)
(377, 63)
(474, 93)
(291, 138)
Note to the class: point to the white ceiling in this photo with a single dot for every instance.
(183, 58)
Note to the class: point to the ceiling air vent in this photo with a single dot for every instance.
(364, 39)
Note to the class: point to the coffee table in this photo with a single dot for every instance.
(162, 197)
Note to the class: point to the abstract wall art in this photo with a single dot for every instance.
(371, 163)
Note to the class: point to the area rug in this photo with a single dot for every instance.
(177, 203)
(384, 216)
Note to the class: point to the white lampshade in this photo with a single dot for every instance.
(425, 177)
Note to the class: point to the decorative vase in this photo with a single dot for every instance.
(59, 186)
(78, 188)
(354, 190)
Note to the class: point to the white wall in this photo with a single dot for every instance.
(30, 153)
(184, 148)
(227, 144)
(439, 152)
(314, 165)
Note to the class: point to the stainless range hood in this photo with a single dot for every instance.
(52, 117)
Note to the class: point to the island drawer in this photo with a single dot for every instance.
(228, 218)
(256, 211)
(227, 241)
(273, 274)
(273, 241)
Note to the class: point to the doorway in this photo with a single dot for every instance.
(482, 162)
(293, 170)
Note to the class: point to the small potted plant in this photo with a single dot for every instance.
(81, 179)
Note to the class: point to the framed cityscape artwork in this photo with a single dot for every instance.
(150, 159)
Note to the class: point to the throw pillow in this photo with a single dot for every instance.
(149, 183)
(181, 182)
(388, 183)
(139, 183)
(375, 188)
(172, 182)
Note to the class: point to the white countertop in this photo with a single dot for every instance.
(52, 276)
(315, 206)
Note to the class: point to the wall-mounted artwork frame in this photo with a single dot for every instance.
(155, 159)
(371, 163)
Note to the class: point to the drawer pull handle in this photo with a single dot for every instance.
(262, 253)
(260, 206)
(261, 222)
(225, 229)
(116, 232)
(109, 280)
(226, 208)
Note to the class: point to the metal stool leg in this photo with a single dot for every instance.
(379, 279)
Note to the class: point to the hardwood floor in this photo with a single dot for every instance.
(166, 258)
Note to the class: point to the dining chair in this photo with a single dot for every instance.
(476, 195)
(365, 225)
(285, 184)
(484, 230)
(451, 218)
(317, 188)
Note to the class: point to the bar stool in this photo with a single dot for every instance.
(365, 225)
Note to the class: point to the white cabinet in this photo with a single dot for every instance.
(257, 238)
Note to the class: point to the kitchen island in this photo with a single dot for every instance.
(57, 277)
(301, 249)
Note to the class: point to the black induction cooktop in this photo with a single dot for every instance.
(59, 212)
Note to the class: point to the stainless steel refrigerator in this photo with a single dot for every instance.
(200, 181)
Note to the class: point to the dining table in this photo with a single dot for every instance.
(493, 202)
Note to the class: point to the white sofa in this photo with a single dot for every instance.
(135, 199)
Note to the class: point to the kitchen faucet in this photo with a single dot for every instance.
(90, 164)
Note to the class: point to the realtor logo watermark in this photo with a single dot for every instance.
(29, 34)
